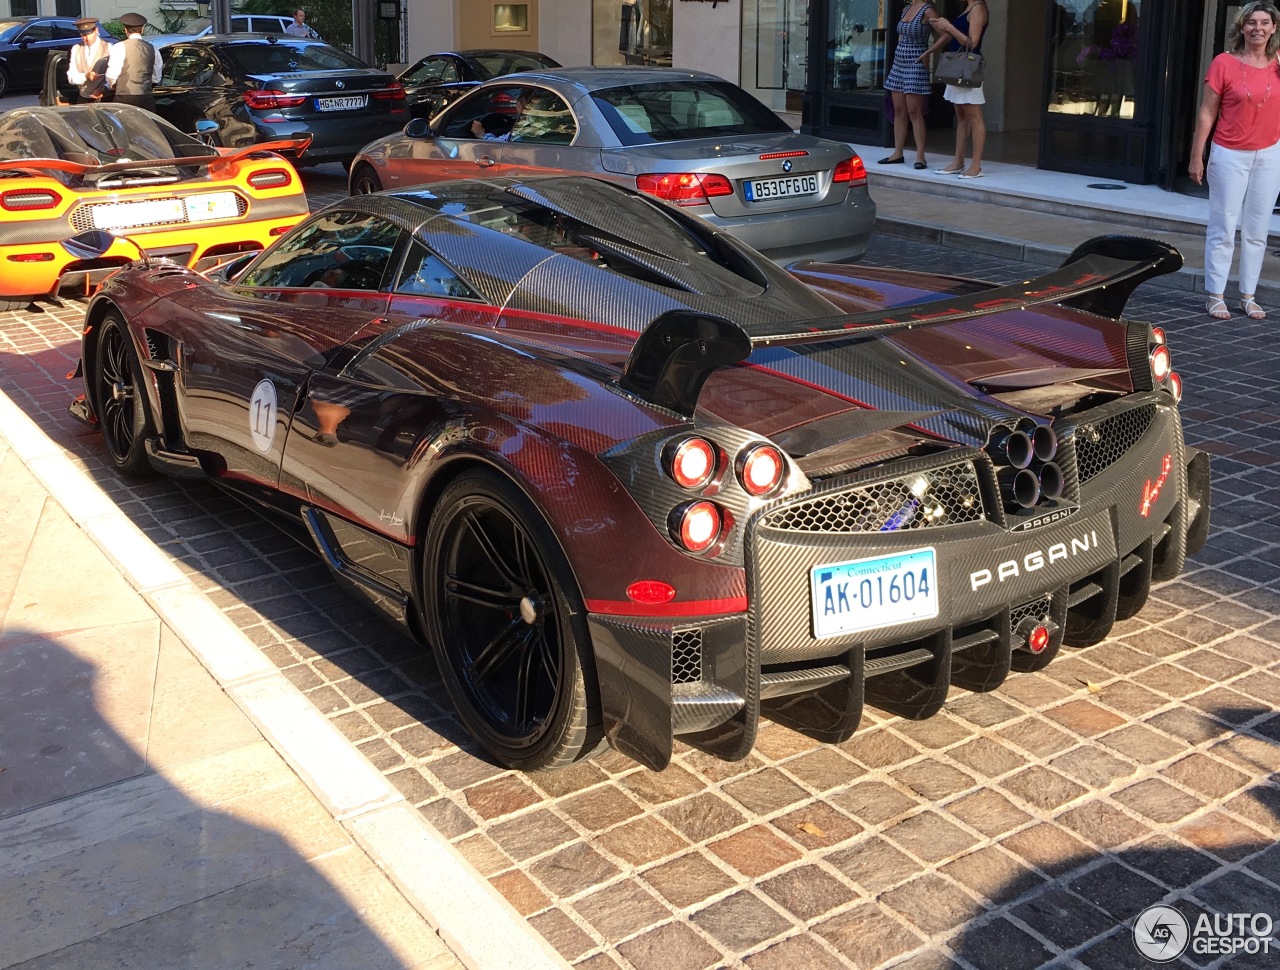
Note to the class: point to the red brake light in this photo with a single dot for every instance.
(272, 178)
(692, 462)
(1161, 363)
(1175, 385)
(760, 469)
(1157, 335)
(26, 200)
(392, 92)
(851, 171)
(651, 592)
(698, 525)
(269, 100)
(686, 188)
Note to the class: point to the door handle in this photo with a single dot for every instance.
(486, 161)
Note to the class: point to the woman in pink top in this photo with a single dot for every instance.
(1242, 97)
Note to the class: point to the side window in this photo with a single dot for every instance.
(65, 32)
(341, 250)
(495, 108)
(543, 117)
(188, 67)
(36, 32)
(426, 274)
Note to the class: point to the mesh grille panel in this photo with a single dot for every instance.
(1036, 610)
(82, 218)
(686, 656)
(943, 496)
(1101, 445)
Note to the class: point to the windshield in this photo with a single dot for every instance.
(499, 63)
(8, 28)
(641, 114)
(285, 58)
(195, 27)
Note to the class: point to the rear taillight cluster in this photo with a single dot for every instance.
(272, 178)
(271, 100)
(685, 188)
(1161, 360)
(697, 465)
(850, 172)
(27, 200)
(392, 92)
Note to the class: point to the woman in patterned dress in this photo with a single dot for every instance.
(908, 80)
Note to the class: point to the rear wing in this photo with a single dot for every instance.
(293, 146)
(679, 350)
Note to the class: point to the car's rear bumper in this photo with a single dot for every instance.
(830, 233)
(708, 680)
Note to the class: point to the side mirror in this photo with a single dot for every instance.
(204, 126)
(418, 128)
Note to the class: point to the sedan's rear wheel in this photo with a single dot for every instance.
(4, 82)
(118, 394)
(506, 624)
(365, 181)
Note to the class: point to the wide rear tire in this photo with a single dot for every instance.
(117, 389)
(507, 626)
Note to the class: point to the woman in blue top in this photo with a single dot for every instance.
(964, 32)
(908, 80)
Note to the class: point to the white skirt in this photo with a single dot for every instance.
(964, 95)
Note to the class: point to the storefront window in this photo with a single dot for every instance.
(1095, 47)
(631, 32)
(775, 51)
(856, 42)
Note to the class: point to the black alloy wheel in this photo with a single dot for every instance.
(118, 394)
(506, 624)
(365, 181)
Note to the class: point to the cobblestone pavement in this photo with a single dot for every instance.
(1017, 828)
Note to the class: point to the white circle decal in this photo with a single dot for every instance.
(262, 415)
(1160, 933)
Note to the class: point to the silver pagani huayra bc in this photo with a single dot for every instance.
(630, 480)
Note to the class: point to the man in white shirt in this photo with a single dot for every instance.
(134, 66)
(87, 64)
(299, 26)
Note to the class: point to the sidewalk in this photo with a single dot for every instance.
(1027, 213)
(157, 813)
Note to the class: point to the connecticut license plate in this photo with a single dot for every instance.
(866, 594)
(212, 205)
(342, 104)
(781, 188)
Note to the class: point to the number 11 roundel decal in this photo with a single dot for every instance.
(262, 415)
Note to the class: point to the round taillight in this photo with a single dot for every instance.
(1175, 385)
(1157, 335)
(760, 469)
(698, 525)
(692, 462)
(1161, 364)
(1038, 639)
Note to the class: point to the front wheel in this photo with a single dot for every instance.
(506, 625)
(118, 393)
(365, 181)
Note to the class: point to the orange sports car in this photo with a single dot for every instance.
(124, 170)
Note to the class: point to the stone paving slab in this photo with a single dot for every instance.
(1017, 828)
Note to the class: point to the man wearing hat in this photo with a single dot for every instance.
(133, 66)
(87, 65)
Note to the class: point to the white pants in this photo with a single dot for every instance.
(1242, 192)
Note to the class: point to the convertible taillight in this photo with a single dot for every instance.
(270, 100)
(272, 178)
(392, 92)
(851, 171)
(26, 200)
(686, 188)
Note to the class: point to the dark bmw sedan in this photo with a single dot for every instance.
(263, 88)
(438, 80)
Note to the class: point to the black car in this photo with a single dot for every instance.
(440, 79)
(25, 42)
(259, 87)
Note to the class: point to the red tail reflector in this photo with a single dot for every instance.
(650, 592)
(1038, 639)
(687, 188)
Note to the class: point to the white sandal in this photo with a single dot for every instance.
(1251, 309)
(1217, 308)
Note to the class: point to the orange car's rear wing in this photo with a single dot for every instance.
(293, 146)
(680, 349)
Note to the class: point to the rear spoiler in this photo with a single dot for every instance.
(680, 349)
(295, 146)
